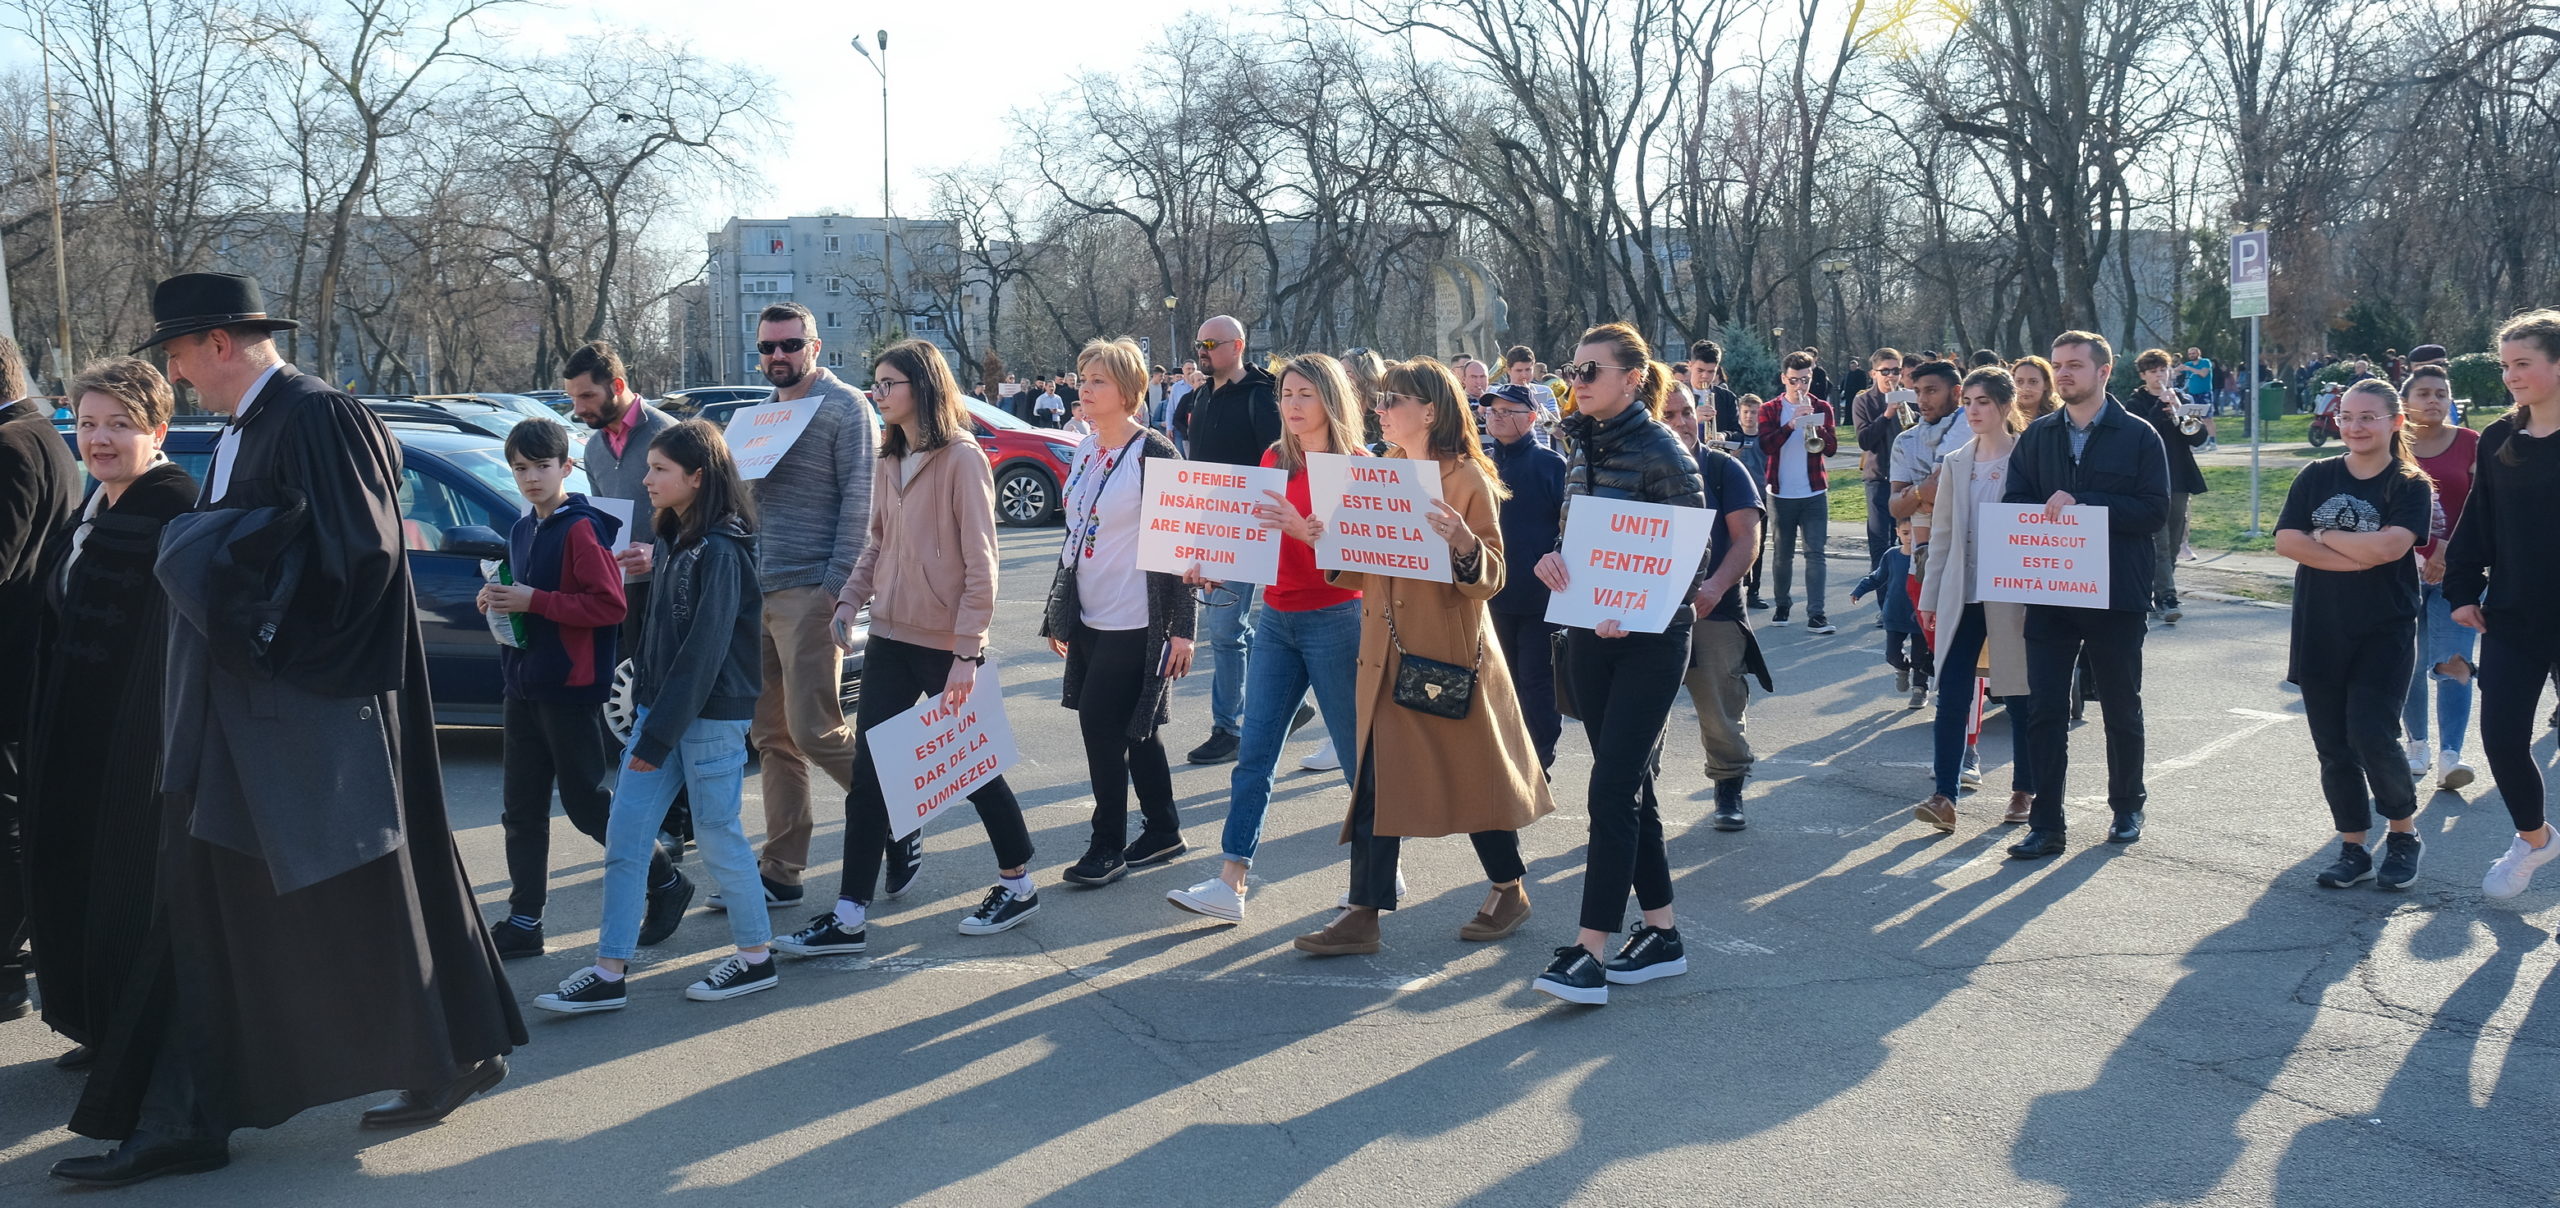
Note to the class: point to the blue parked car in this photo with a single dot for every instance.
(457, 502)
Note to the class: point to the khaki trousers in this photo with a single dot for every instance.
(1719, 687)
(799, 722)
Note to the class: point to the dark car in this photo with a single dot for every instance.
(457, 501)
(691, 401)
(1029, 463)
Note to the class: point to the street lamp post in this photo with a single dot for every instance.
(880, 63)
(1172, 346)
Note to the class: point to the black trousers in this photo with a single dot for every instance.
(13, 865)
(2354, 711)
(636, 613)
(2057, 638)
(1527, 649)
(1373, 856)
(1115, 675)
(548, 744)
(895, 676)
(2514, 662)
(1625, 688)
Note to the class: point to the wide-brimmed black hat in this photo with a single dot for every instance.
(192, 302)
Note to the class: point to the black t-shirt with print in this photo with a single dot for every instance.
(2333, 609)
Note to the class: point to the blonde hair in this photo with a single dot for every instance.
(132, 383)
(1333, 393)
(2049, 403)
(1453, 424)
(1120, 361)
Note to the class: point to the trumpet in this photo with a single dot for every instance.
(2188, 422)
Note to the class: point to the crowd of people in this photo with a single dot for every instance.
(175, 874)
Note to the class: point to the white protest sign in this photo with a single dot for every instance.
(931, 756)
(1628, 562)
(1201, 513)
(1373, 510)
(2023, 558)
(761, 434)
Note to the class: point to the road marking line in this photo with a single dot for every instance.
(2259, 720)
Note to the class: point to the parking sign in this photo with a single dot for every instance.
(2249, 262)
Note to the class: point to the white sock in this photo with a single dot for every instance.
(607, 974)
(1019, 887)
(756, 958)
(848, 914)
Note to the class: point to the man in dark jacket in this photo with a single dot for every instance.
(1233, 419)
(2153, 403)
(1879, 423)
(39, 487)
(321, 937)
(1531, 519)
(2094, 453)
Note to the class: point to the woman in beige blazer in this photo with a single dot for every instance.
(1970, 633)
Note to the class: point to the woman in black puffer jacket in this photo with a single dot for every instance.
(1623, 683)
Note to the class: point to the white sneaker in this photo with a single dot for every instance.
(1213, 897)
(2419, 759)
(2452, 773)
(2514, 871)
(1322, 759)
(1345, 903)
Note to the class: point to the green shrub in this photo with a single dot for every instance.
(1749, 366)
(2342, 373)
(2476, 376)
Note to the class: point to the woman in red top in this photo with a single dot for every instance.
(1307, 636)
(2446, 452)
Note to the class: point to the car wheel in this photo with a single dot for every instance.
(619, 711)
(1025, 497)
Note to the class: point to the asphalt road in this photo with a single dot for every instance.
(1875, 1015)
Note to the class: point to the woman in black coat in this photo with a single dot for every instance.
(93, 804)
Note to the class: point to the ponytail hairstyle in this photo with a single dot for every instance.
(697, 447)
(1453, 423)
(1333, 392)
(2542, 329)
(1658, 371)
(2402, 452)
(1653, 382)
(1996, 382)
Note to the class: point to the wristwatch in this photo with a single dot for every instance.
(980, 658)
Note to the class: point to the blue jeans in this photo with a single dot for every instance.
(1955, 707)
(1229, 629)
(710, 763)
(1318, 648)
(2438, 639)
(1879, 520)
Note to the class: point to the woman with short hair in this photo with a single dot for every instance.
(93, 816)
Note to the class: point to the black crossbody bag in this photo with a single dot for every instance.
(1429, 685)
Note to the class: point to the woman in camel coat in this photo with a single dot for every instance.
(1969, 632)
(1420, 775)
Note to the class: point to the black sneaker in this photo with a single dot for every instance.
(514, 940)
(822, 937)
(1100, 866)
(1819, 623)
(1575, 976)
(587, 991)
(1306, 713)
(1221, 748)
(777, 896)
(2354, 864)
(1651, 952)
(667, 905)
(905, 861)
(1729, 805)
(733, 976)
(999, 912)
(1779, 617)
(1756, 604)
(2399, 861)
(1153, 848)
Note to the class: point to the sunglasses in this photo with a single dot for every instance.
(1586, 372)
(794, 344)
(1888, 373)
(1210, 345)
(1386, 400)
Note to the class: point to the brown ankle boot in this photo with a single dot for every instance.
(2020, 805)
(1503, 913)
(1355, 933)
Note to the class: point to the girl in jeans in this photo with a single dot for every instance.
(1127, 635)
(929, 574)
(1626, 682)
(1308, 634)
(2503, 580)
(696, 677)
(2351, 521)
(1951, 604)
(2445, 451)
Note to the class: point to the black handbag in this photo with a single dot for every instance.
(1064, 612)
(1429, 685)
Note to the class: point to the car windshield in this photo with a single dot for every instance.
(996, 418)
(490, 467)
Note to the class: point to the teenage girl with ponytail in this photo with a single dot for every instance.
(2351, 521)
(2502, 577)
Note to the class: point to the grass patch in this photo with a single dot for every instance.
(2219, 518)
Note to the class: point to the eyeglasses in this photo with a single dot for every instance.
(886, 384)
(1509, 412)
(2360, 419)
(1214, 595)
(794, 344)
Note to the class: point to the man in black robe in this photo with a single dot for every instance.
(321, 936)
(39, 487)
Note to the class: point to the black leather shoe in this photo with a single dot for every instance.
(144, 1156)
(427, 1107)
(2126, 828)
(2037, 845)
(80, 1057)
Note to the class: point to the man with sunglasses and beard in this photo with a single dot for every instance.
(1878, 424)
(1234, 416)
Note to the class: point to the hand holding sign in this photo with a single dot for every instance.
(941, 751)
(2054, 553)
(1626, 563)
(1374, 512)
(1198, 517)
